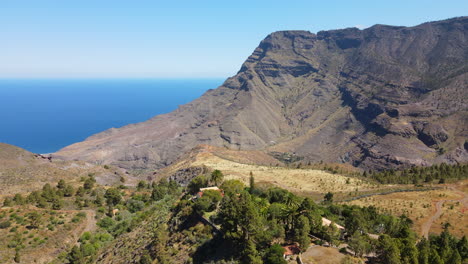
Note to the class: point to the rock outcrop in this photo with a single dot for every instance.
(376, 98)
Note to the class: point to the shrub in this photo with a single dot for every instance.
(5, 224)
(106, 223)
(81, 214)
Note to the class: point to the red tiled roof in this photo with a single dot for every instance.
(291, 250)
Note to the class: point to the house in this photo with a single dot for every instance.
(327, 222)
(214, 188)
(290, 251)
(202, 190)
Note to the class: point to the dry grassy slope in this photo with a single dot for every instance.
(54, 241)
(239, 164)
(22, 171)
(422, 206)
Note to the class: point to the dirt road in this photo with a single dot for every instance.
(439, 210)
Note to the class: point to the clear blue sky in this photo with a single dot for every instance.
(196, 38)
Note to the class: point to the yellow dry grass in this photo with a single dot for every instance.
(422, 206)
(322, 255)
(306, 181)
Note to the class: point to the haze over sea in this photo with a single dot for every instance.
(44, 115)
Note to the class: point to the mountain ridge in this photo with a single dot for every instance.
(382, 97)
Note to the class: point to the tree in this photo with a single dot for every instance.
(141, 185)
(328, 197)
(48, 192)
(57, 203)
(34, 219)
(250, 254)
(388, 250)
(409, 252)
(135, 205)
(99, 200)
(158, 192)
(89, 183)
(112, 196)
(208, 201)
(232, 187)
(455, 258)
(7, 202)
(251, 183)
(76, 256)
(197, 183)
(359, 244)
(217, 177)
(462, 247)
(250, 219)
(80, 191)
(276, 210)
(355, 222)
(332, 233)
(68, 191)
(301, 232)
(424, 251)
(203, 204)
(18, 199)
(274, 255)
(61, 184)
(435, 258)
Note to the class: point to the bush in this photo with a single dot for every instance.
(81, 214)
(106, 223)
(5, 224)
(135, 205)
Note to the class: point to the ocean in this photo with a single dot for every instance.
(45, 115)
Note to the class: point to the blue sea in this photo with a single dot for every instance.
(44, 115)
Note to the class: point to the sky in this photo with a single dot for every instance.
(175, 39)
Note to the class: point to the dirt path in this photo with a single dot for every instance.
(90, 221)
(439, 210)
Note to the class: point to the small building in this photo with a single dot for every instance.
(327, 222)
(202, 190)
(214, 188)
(290, 251)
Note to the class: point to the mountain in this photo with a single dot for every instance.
(382, 97)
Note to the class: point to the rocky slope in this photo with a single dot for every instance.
(376, 98)
(22, 171)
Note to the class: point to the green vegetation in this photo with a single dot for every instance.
(416, 175)
(240, 224)
(257, 223)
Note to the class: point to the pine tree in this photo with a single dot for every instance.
(424, 251)
(301, 232)
(251, 183)
(456, 258)
(250, 254)
(435, 258)
(388, 250)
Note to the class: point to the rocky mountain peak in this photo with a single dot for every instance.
(381, 97)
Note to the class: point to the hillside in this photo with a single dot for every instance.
(377, 98)
(22, 171)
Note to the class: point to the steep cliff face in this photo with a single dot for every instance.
(376, 98)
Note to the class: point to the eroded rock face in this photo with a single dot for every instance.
(376, 98)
